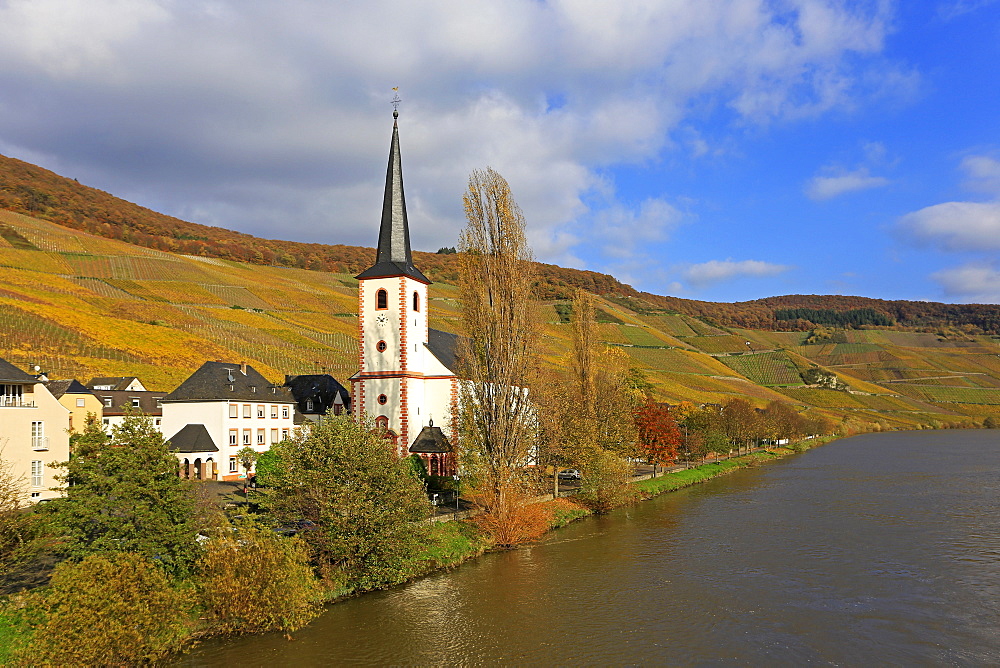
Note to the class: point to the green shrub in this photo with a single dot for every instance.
(124, 495)
(358, 499)
(111, 609)
(605, 484)
(252, 580)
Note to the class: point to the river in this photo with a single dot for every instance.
(882, 548)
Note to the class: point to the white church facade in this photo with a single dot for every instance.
(406, 379)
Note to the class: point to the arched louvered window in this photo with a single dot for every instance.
(381, 299)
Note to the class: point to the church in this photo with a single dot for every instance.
(406, 377)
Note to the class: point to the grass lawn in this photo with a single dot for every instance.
(679, 479)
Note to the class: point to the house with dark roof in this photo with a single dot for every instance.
(406, 378)
(34, 432)
(220, 409)
(118, 383)
(78, 399)
(117, 404)
(317, 395)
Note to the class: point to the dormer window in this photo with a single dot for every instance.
(108, 402)
(309, 404)
(136, 402)
(253, 388)
(382, 299)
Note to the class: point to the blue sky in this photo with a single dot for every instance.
(723, 150)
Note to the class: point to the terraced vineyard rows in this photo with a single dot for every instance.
(944, 394)
(80, 306)
(772, 368)
(640, 336)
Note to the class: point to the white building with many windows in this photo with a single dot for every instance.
(220, 409)
(33, 432)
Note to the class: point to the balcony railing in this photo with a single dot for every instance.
(15, 401)
(39, 442)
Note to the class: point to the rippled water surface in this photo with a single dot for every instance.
(879, 549)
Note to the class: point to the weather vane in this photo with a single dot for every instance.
(395, 101)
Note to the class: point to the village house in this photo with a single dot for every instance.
(317, 395)
(78, 399)
(406, 377)
(219, 410)
(34, 431)
(123, 396)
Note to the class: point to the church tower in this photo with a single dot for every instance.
(401, 382)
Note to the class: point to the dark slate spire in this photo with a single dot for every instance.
(394, 258)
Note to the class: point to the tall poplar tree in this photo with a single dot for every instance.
(498, 357)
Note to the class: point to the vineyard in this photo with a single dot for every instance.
(771, 368)
(944, 394)
(79, 305)
(640, 336)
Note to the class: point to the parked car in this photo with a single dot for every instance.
(569, 474)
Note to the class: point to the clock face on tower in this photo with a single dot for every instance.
(381, 319)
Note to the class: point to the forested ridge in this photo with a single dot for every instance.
(29, 189)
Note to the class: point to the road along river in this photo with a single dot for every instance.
(883, 548)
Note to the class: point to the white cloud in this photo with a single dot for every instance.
(63, 39)
(717, 271)
(622, 229)
(970, 283)
(272, 118)
(955, 226)
(983, 172)
(955, 8)
(826, 187)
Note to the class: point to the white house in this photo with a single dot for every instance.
(220, 409)
(118, 383)
(34, 431)
(406, 371)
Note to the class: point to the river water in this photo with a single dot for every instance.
(878, 549)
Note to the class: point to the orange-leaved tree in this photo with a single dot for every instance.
(659, 437)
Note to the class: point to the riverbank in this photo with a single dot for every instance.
(452, 543)
(784, 564)
(446, 545)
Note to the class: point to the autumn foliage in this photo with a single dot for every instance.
(659, 437)
(114, 609)
(29, 189)
(253, 580)
(512, 517)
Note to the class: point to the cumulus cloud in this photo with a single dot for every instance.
(272, 118)
(970, 283)
(622, 229)
(983, 173)
(960, 226)
(826, 187)
(718, 271)
(954, 226)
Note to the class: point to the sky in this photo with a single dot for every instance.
(721, 150)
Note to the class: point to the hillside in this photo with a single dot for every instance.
(81, 305)
(28, 189)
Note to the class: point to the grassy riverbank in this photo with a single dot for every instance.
(445, 545)
(675, 480)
